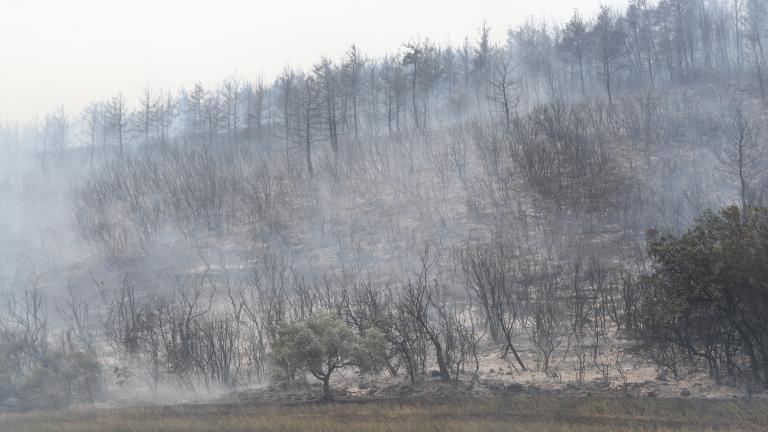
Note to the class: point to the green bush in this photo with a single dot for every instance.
(61, 379)
(707, 299)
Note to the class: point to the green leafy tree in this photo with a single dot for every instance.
(322, 344)
(707, 298)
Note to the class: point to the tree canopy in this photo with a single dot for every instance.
(321, 344)
(708, 294)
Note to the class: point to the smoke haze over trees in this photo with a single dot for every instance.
(582, 184)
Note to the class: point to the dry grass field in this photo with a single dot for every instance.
(518, 413)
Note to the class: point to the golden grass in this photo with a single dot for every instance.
(518, 413)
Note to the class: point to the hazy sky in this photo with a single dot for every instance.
(70, 52)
